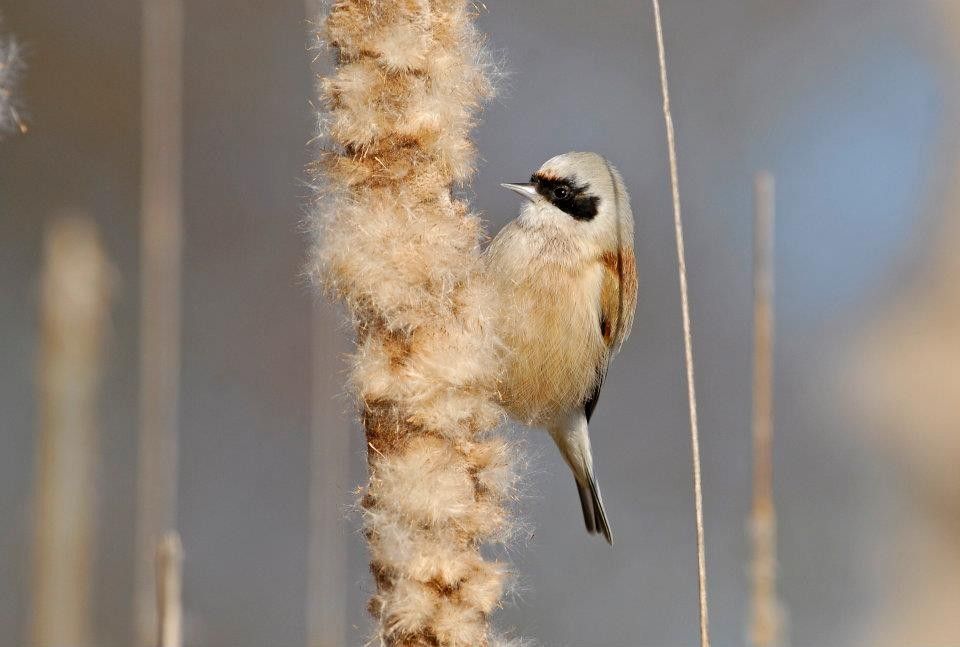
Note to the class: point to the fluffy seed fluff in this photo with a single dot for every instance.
(403, 253)
(10, 68)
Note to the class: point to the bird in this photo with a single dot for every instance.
(565, 274)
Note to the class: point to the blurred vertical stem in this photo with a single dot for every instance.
(160, 261)
(169, 583)
(765, 629)
(75, 291)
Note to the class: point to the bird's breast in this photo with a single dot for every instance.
(551, 330)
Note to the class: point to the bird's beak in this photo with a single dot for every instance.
(528, 191)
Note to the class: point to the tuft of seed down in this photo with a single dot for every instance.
(403, 253)
(10, 68)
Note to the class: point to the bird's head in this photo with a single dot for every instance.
(582, 196)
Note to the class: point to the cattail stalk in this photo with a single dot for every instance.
(687, 331)
(402, 252)
(160, 250)
(75, 291)
(765, 628)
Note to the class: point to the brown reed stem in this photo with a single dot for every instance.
(74, 310)
(687, 334)
(160, 267)
(765, 629)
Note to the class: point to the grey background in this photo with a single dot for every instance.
(849, 103)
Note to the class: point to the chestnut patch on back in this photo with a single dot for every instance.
(567, 196)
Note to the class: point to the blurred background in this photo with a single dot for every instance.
(852, 105)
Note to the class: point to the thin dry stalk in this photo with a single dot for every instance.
(169, 592)
(160, 297)
(765, 629)
(687, 334)
(403, 253)
(75, 294)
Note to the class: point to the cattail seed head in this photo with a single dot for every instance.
(403, 253)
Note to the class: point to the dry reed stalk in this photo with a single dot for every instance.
(161, 234)
(75, 294)
(687, 331)
(403, 253)
(169, 591)
(766, 617)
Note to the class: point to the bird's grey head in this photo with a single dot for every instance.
(582, 195)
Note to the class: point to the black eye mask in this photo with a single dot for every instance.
(568, 196)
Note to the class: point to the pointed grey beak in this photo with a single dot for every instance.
(528, 191)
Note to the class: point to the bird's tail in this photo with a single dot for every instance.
(572, 436)
(594, 514)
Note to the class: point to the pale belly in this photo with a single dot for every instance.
(553, 343)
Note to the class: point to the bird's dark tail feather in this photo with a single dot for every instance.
(594, 514)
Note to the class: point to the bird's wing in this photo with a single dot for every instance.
(591, 402)
(618, 300)
(618, 297)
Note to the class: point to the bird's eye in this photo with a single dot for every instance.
(561, 193)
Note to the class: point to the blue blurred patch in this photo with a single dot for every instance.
(852, 156)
